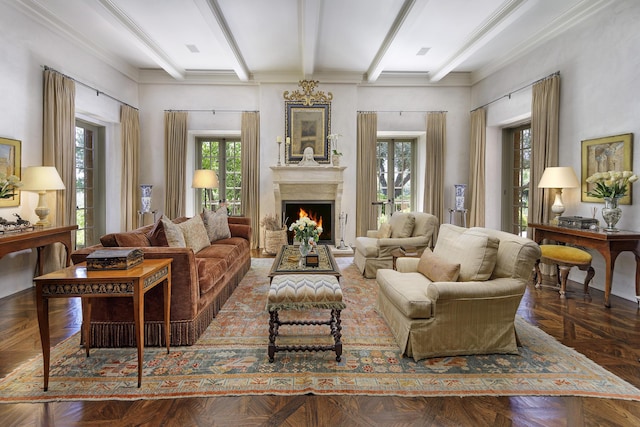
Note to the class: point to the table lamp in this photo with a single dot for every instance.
(204, 178)
(40, 179)
(558, 177)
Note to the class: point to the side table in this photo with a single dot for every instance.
(76, 281)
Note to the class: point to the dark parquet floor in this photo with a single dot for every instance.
(609, 336)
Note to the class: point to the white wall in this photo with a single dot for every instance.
(599, 97)
(25, 47)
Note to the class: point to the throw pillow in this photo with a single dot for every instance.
(194, 233)
(173, 233)
(217, 224)
(157, 236)
(437, 269)
(384, 232)
(402, 225)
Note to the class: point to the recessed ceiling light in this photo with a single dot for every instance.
(193, 48)
(423, 51)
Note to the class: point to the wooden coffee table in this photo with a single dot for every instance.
(288, 262)
(76, 281)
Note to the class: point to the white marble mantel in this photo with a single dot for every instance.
(309, 183)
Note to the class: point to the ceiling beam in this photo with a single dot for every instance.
(501, 19)
(377, 65)
(220, 24)
(144, 42)
(309, 12)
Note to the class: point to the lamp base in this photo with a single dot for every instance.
(42, 210)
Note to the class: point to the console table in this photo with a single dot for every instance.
(609, 244)
(37, 238)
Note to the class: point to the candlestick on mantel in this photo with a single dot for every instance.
(279, 141)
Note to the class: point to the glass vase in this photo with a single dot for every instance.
(304, 248)
(611, 213)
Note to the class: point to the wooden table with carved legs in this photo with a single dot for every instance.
(76, 281)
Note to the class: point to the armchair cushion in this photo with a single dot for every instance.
(437, 269)
(384, 232)
(402, 224)
(475, 251)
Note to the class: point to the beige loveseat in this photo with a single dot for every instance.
(468, 310)
(201, 281)
(373, 251)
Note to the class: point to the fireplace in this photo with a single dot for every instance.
(321, 211)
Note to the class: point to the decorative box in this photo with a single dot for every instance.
(114, 259)
(577, 222)
(312, 260)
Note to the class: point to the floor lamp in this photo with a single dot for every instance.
(40, 179)
(206, 179)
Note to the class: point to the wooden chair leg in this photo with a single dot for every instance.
(590, 273)
(537, 277)
(564, 274)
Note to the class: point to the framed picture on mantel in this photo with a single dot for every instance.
(611, 153)
(307, 126)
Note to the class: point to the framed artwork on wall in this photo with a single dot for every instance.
(611, 153)
(10, 155)
(308, 126)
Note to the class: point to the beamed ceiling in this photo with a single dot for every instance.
(362, 41)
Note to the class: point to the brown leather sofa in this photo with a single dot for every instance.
(201, 283)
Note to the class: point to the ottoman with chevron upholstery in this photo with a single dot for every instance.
(305, 292)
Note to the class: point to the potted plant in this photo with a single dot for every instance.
(275, 233)
(335, 157)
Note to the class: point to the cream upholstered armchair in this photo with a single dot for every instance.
(461, 298)
(373, 251)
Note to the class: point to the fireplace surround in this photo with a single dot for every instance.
(310, 185)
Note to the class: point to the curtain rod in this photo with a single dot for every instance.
(214, 111)
(557, 73)
(98, 91)
(404, 111)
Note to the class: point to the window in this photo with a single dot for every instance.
(85, 135)
(224, 155)
(395, 164)
(518, 149)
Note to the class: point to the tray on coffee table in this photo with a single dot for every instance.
(287, 261)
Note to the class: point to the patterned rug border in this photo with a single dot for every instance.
(241, 369)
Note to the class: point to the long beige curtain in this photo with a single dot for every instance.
(477, 188)
(434, 175)
(175, 140)
(250, 192)
(545, 118)
(58, 147)
(130, 140)
(366, 213)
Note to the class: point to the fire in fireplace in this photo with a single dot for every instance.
(321, 211)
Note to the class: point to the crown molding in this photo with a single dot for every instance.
(38, 12)
(572, 17)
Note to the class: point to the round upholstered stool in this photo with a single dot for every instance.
(565, 257)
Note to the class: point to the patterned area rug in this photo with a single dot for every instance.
(231, 359)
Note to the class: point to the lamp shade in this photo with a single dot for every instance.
(41, 178)
(204, 178)
(559, 177)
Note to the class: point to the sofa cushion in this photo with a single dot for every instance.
(174, 235)
(402, 224)
(128, 239)
(475, 251)
(157, 236)
(217, 224)
(407, 292)
(211, 271)
(384, 232)
(424, 225)
(436, 268)
(194, 233)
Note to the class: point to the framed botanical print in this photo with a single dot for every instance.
(611, 153)
(307, 126)
(10, 155)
